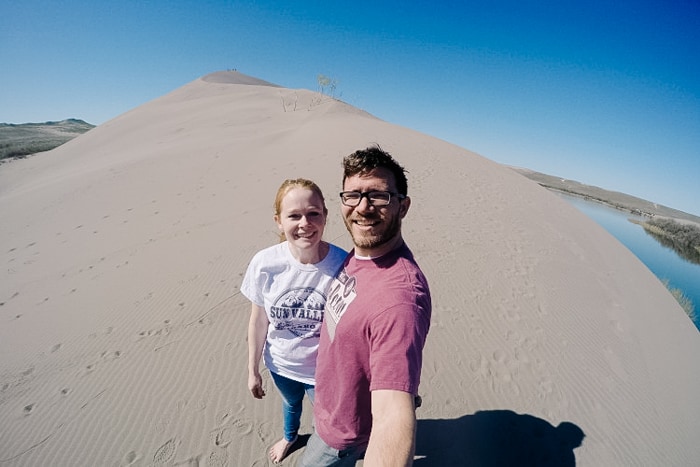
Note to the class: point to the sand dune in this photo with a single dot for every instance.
(122, 330)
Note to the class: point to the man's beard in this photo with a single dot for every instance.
(376, 240)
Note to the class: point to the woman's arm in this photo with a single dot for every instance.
(257, 334)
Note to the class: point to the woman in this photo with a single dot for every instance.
(286, 284)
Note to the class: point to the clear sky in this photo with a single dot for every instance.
(604, 92)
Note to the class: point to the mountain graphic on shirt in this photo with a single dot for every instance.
(300, 311)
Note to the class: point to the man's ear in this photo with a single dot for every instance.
(403, 206)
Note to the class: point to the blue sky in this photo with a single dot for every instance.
(603, 92)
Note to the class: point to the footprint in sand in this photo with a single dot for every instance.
(162, 331)
(87, 370)
(165, 454)
(221, 437)
(218, 458)
(110, 355)
(130, 458)
(206, 321)
(243, 427)
(545, 388)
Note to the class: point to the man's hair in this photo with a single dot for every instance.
(364, 161)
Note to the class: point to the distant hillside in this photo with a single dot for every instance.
(19, 140)
(612, 198)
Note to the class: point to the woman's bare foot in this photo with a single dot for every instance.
(280, 449)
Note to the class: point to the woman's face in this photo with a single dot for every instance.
(302, 218)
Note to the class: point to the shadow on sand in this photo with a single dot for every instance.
(496, 438)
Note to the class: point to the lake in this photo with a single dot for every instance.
(665, 263)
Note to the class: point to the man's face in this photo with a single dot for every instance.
(374, 229)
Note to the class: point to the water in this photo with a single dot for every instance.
(662, 261)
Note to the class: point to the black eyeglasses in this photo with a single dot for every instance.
(375, 198)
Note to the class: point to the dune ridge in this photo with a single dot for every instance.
(123, 330)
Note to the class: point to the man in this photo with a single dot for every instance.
(376, 321)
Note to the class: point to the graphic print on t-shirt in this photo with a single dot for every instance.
(340, 296)
(300, 311)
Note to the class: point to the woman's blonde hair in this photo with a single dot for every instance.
(288, 185)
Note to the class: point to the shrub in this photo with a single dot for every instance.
(683, 238)
(682, 299)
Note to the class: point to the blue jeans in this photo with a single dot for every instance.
(292, 393)
(319, 454)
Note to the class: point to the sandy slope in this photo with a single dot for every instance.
(122, 331)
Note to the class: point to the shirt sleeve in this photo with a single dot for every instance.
(249, 285)
(397, 337)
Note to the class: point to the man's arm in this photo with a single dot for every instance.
(392, 440)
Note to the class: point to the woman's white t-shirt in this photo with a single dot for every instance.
(293, 296)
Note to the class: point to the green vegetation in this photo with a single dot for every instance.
(682, 299)
(683, 238)
(325, 82)
(21, 140)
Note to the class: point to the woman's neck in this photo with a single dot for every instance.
(311, 256)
